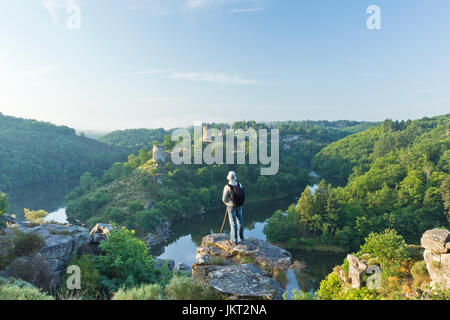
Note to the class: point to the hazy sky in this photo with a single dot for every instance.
(168, 63)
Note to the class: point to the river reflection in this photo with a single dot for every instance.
(46, 196)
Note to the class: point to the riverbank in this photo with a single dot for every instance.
(311, 245)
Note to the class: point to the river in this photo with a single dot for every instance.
(188, 234)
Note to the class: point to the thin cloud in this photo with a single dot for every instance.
(221, 78)
(247, 10)
(164, 7)
(153, 72)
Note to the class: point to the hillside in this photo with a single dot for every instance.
(36, 152)
(134, 139)
(398, 178)
(139, 195)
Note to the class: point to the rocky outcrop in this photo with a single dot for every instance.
(159, 237)
(356, 270)
(182, 267)
(7, 219)
(264, 255)
(170, 263)
(240, 272)
(100, 232)
(436, 240)
(437, 257)
(61, 242)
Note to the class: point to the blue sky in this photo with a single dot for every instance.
(168, 63)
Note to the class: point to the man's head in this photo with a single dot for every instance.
(231, 177)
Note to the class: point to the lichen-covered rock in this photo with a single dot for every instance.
(264, 255)
(7, 219)
(436, 240)
(438, 266)
(240, 281)
(437, 257)
(242, 271)
(159, 237)
(184, 268)
(61, 242)
(356, 269)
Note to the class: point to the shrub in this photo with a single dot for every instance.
(36, 217)
(357, 294)
(26, 244)
(366, 257)
(373, 261)
(90, 278)
(301, 295)
(185, 288)
(436, 294)
(330, 287)
(144, 292)
(12, 289)
(389, 247)
(420, 274)
(125, 263)
(5, 251)
(346, 266)
(34, 270)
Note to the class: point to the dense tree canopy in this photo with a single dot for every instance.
(35, 152)
(398, 178)
(134, 139)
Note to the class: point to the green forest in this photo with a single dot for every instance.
(134, 140)
(36, 152)
(397, 177)
(139, 195)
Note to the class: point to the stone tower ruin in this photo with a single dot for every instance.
(159, 154)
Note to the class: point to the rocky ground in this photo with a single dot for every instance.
(244, 271)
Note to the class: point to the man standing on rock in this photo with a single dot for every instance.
(234, 197)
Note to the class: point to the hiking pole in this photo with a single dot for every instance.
(224, 218)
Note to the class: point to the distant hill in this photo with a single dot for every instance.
(36, 152)
(357, 152)
(134, 139)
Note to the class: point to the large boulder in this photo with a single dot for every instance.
(61, 242)
(241, 281)
(100, 232)
(242, 271)
(436, 240)
(437, 257)
(267, 257)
